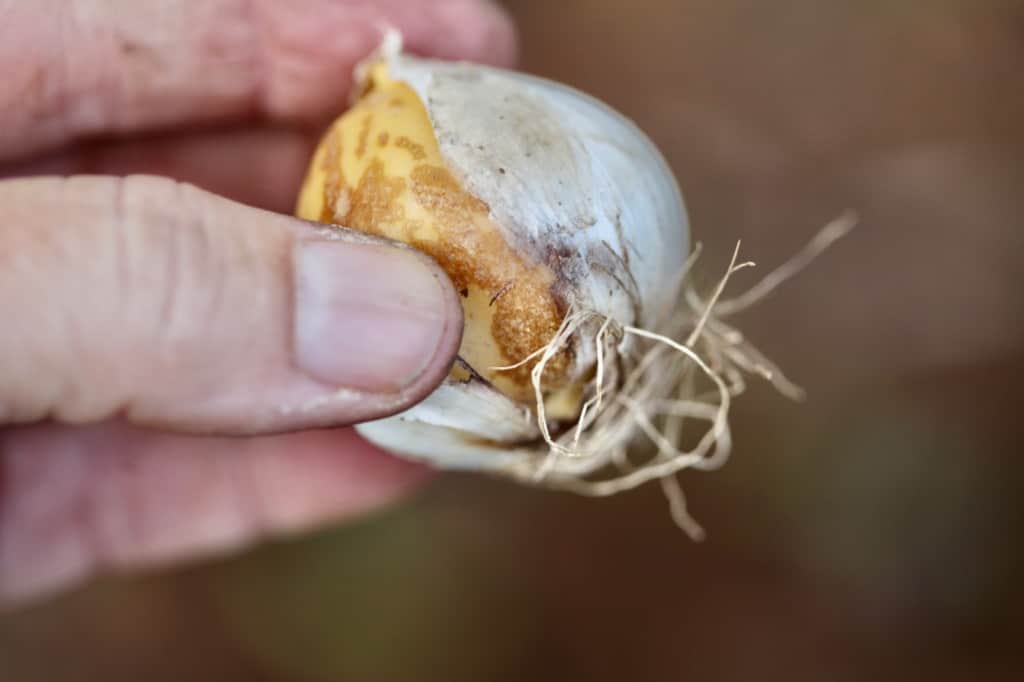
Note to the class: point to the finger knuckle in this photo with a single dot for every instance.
(167, 257)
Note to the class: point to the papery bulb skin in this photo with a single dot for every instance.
(537, 200)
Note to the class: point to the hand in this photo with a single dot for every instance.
(153, 335)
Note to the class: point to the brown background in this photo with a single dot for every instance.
(872, 532)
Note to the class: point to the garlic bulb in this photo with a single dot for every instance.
(566, 234)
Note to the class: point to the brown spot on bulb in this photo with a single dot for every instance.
(364, 136)
(511, 303)
(414, 148)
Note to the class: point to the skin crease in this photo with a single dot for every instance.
(115, 455)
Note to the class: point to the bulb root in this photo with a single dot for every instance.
(648, 386)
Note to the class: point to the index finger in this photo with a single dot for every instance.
(74, 70)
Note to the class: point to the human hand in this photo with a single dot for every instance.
(153, 336)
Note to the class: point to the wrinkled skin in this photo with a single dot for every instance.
(122, 376)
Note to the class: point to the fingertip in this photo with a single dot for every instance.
(197, 314)
(312, 70)
(373, 316)
(472, 30)
(500, 36)
(439, 366)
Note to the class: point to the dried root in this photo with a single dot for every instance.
(649, 385)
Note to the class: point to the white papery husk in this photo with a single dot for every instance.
(575, 185)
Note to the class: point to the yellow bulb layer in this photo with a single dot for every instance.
(379, 169)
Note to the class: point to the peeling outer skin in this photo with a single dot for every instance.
(461, 426)
(455, 430)
(380, 170)
(450, 450)
(428, 433)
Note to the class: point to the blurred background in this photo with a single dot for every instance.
(867, 533)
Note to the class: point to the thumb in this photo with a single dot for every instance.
(172, 307)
